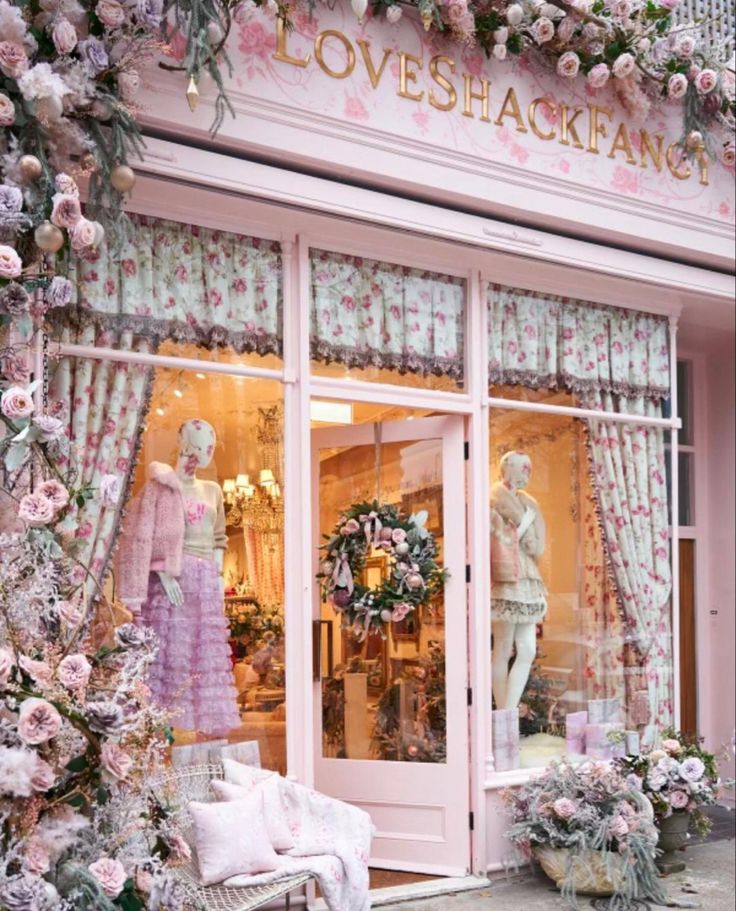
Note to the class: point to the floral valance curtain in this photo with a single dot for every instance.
(368, 313)
(187, 283)
(543, 341)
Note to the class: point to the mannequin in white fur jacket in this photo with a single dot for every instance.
(517, 604)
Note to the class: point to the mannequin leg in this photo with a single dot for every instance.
(525, 640)
(503, 644)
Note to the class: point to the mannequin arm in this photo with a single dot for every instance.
(172, 589)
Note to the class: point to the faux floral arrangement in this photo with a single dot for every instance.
(414, 577)
(592, 812)
(79, 737)
(252, 621)
(428, 741)
(678, 777)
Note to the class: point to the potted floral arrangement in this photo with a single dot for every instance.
(679, 778)
(590, 830)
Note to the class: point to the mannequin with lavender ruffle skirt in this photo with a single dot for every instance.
(170, 572)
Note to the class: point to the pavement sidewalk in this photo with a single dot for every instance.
(708, 884)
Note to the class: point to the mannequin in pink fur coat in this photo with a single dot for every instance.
(169, 570)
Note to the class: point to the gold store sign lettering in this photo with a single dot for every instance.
(590, 128)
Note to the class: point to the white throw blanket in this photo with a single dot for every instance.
(332, 842)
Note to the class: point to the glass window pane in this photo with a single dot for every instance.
(686, 505)
(384, 698)
(685, 402)
(573, 668)
(211, 462)
(386, 323)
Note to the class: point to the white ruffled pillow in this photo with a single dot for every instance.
(247, 776)
(231, 839)
(273, 807)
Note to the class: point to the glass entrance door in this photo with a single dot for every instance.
(391, 719)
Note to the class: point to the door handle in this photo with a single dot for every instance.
(317, 649)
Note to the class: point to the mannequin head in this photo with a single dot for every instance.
(516, 468)
(196, 446)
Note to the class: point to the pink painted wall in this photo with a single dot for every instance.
(712, 355)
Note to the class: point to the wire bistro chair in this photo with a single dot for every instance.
(176, 789)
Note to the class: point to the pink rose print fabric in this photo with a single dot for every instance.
(105, 404)
(540, 340)
(629, 477)
(186, 283)
(367, 313)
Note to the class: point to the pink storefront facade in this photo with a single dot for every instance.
(367, 141)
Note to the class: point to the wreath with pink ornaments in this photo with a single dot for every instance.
(412, 578)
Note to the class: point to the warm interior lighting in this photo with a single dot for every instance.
(160, 412)
(242, 481)
(324, 412)
(178, 393)
(200, 376)
(266, 477)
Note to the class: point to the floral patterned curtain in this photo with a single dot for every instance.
(629, 476)
(366, 313)
(187, 283)
(539, 340)
(107, 404)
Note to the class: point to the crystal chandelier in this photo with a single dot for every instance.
(258, 502)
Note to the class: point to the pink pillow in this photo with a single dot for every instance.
(273, 807)
(231, 839)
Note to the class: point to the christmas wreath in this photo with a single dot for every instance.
(413, 578)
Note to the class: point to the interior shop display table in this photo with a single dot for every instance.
(177, 789)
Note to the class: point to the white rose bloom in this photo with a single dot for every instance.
(12, 24)
(515, 14)
(500, 51)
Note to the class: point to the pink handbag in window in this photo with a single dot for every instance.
(504, 550)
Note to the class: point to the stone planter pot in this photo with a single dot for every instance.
(593, 873)
(672, 838)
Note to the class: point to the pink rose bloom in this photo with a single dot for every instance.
(568, 65)
(623, 66)
(400, 611)
(43, 777)
(728, 155)
(110, 874)
(619, 827)
(677, 85)
(13, 59)
(64, 36)
(564, 808)
(398, 535)
(669, 4)
(39, 671)
(7, 111)
(55, 492)
(671, 746)
(7, 661)
(38, 721)
(110, 13)
(66, 211)
(49, 428)
(83, 234)
(543, 30)
(66, 184)
(74, 672)
(679, 800)
(686, 46)
(11, 264)
(16, 403)
(351, 526)
(35, 510)
(115, 760)
(36, 857)
(598, 76)
(706, 81)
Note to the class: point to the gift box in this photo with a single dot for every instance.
(505, 734)
(639, 708)
(598, 743)
(605, 711)
(575, 724)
